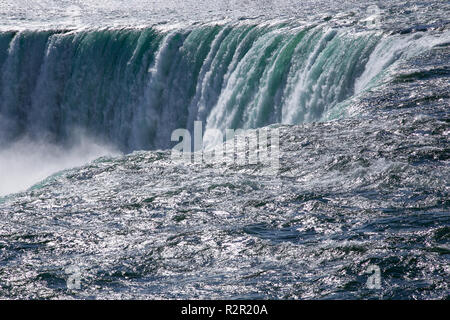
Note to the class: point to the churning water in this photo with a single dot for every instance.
(91, 92)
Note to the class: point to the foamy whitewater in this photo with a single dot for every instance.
(91, 93)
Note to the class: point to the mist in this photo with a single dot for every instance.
(27, 162)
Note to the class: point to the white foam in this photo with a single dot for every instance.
(391, 49)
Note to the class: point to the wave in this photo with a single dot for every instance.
(132, 87)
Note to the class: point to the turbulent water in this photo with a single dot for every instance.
(359, 92)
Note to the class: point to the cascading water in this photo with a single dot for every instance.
(133, 87)
(354, 96)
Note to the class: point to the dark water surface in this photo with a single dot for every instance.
(363, 181)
